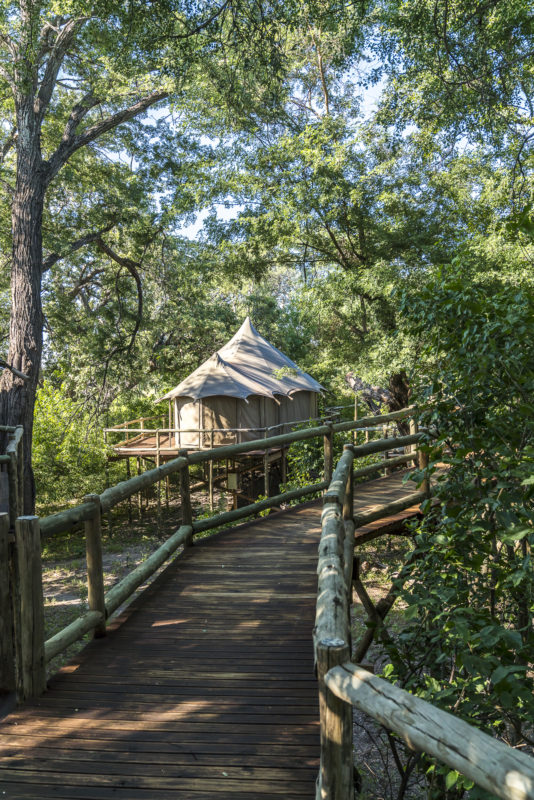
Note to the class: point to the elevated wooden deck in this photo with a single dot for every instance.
(204, 688)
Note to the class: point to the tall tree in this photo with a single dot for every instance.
(73, 77)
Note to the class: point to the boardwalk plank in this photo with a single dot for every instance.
(204, 687)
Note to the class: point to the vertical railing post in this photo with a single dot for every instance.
(210, 473)
(185, 495)
(128, 476)
(20, 468)
(329, 453)
(158, 484)
(422, 458)
(385, 454)
(29, 615)
(412, 448)
(348, 503)
(140, 492)
(95, 566)
(13, 481)
(7, 653)
(336, 772)
(266, 481)
(423, 465)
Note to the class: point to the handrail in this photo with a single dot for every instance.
(491, 764)
(90, 512)
(139, 434)
(63, 520)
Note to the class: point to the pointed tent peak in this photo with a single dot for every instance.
(247, 365)
(246, 331)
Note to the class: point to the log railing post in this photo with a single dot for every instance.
(185, 496)
(423, 465)
(266, 467)
(422, 458)
(20, 468)
(413, 429)
(128, 477)
(329, 453)
(7, 653)
(29, 615)
(158, 484)
(13, 481)
(348, 503)
(336, 773)
(95, 567)
(385, 454)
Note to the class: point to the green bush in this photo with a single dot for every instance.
(469, 641)
(69, 454)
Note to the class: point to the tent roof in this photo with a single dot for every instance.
(246, 365)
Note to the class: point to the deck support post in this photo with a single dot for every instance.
(29, 615)
(185, 497)
(7, 653)
(210, 480)
(266, 481)
(210, 473)
(329, 453)
(95, 566)
(336, 772)
(140, 492)
(128, 476)
(158, 484)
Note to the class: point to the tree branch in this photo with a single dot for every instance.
(131, 266)
(55, 60)
(322, 76)
(70, 143)
(52, 258)
(202, 25)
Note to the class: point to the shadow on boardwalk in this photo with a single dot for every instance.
(204, 688)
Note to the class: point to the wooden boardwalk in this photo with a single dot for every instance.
(203, 689)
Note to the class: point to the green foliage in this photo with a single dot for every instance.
(69, 453)
(305, 464)
(470, 598)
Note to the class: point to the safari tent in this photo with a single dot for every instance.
(243, 389)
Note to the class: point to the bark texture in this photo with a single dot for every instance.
(17, 397)
(395, 397)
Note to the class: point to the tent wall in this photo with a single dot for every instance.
(230, 412)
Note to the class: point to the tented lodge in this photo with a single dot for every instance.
(243, 389)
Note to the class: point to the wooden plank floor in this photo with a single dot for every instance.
(203, 689)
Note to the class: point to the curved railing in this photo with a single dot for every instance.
(343, 684)
(35, 652)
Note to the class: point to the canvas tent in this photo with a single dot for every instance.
(246, 386)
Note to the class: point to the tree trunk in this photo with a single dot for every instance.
(396, 396)
(17, 397)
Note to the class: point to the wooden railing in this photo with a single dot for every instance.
(34, 652)
(204, 436)
(491, 764)
(12, 472)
